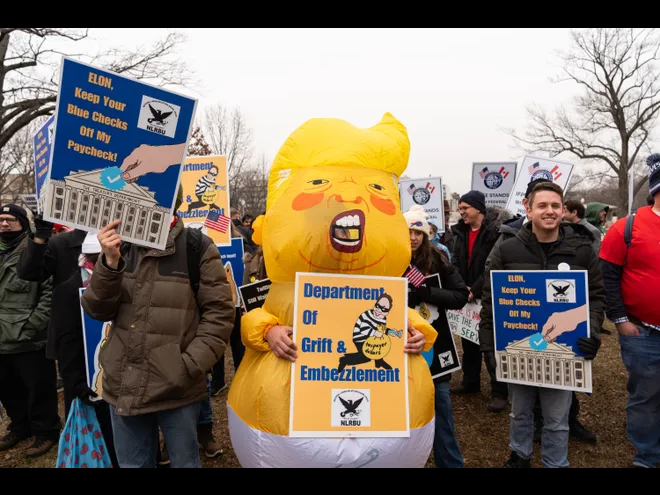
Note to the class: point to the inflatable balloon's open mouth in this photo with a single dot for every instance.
(347, 231)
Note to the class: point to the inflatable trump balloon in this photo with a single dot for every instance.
(333, 207)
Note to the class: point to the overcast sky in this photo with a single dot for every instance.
(452, 88)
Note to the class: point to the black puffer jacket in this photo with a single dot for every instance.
(452, 295)
(473, 272)
(523, 252)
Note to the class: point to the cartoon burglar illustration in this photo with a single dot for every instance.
(371, 323)
(204, 185)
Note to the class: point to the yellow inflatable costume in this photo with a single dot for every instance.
(326, 175)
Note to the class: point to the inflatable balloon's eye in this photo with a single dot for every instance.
(377, 187)
(318, 182)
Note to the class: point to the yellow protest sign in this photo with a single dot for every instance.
(206, 191)
(351, 375)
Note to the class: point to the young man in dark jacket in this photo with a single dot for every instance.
(632, 279)
(166, 336)
(508, 230)
(544, 244)
(27, 377)
(475, 236)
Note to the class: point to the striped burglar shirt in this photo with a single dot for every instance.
(366, 325)
(203, 185)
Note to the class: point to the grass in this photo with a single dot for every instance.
(482, 436)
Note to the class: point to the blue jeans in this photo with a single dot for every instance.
(445, 446)
(555, 405)
(136, 438)
(641, 355)
(206, 411)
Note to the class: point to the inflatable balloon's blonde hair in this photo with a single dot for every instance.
(335, 142)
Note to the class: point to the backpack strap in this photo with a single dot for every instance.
(628, 232)
(194, 257)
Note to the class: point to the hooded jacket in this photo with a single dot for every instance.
(523, 252)
(592, 215)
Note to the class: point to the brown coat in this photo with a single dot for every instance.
(163, 341)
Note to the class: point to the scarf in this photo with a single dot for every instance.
(10, 245)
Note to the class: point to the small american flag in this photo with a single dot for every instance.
(414, 276)
(555, 172)
(533, 168)
(484, 173)
(216, 221)
(504, 173)
(411, 189)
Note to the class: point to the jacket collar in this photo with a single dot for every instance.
(170, 248)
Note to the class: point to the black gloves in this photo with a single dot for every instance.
(423, 293)
(491, 362)
(589, 347)
(84, 393)
(413, 299)
(44, 230)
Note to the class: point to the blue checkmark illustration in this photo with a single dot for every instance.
(537, 342)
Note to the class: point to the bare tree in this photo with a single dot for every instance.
(198, 146)
(612, 121)
(230, 136)
(28, 69)
(17, 164)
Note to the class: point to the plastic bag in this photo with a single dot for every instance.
(81, 444)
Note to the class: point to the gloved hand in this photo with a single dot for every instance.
(589, 347)
(84, 393)
(489, 357)
(44, 230)
(423, 293)
(413, 299)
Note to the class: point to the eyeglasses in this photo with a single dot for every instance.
(9, 221)
(384, 310)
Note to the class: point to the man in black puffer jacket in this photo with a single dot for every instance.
(544, 244)
(475, 236)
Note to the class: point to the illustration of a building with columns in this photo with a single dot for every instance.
(80, 199)
(558, 365)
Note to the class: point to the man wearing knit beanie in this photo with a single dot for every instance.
(27, 378)
(632, 306)
(475, 237)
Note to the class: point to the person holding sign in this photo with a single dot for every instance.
(452, 295)
(545, 244)
(172, 321)
(69, 259)
(476, 234)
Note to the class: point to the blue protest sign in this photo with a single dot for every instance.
(42, 146)
(232, 259)
(538, 317)
(95, 335)
(117, 154)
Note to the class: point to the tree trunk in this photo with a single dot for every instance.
(622, 202)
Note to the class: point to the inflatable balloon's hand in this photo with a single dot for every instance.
(281, 344)
(147, 159)
(416, 321)
(416, 341)
(564, 322)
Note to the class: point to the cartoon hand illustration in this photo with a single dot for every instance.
(560, 323)
(378, 334)
(146, 159)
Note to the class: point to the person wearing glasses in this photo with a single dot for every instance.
(27, 377)
(204, 185)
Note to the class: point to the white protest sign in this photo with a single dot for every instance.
(533, 168)
(30, 201)
(465, 322)
(427, 193)
(495, 180)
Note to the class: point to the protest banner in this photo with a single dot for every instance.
(254, 295)
(117, 154)
(351, 375)
(465, 322)
(538, 317)
(232, 260)
(495, 180)
(428, 194)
